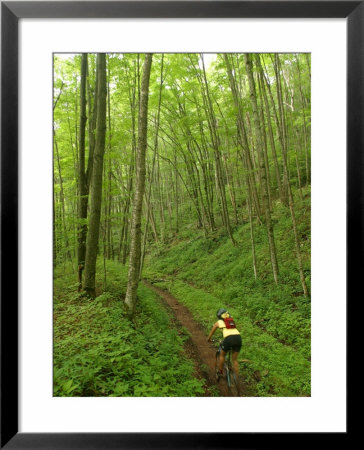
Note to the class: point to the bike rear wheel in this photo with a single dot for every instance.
(232, 380)
(229, 376)
(233, 384)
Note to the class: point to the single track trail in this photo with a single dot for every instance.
(197, 348)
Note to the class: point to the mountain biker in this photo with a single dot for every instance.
(232, 340)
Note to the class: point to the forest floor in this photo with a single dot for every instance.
(197, 348)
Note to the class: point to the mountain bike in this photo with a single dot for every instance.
(229, 375)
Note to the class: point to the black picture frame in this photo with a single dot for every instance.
(11, 12)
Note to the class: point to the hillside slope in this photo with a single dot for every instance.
(208, 273)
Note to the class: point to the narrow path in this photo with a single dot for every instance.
(202, 352)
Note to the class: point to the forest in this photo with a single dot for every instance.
(181, 186)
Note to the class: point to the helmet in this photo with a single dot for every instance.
(220, 311)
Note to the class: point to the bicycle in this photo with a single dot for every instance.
(231, 379)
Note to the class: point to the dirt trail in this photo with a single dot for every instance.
(202, 352)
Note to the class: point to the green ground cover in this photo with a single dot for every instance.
(97, 352)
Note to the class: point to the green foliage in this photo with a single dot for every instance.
(184, 141)
(98, 352)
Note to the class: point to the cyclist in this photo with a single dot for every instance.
(232, 340)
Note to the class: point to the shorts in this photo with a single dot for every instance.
(233, 343)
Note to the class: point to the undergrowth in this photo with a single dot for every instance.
(99, 352)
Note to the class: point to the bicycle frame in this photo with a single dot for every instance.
(228, 367)
(229, 374)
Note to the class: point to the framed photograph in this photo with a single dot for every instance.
(237, 93)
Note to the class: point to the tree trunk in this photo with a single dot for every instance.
(270, 132)
(149, 213)
(96, 179)
(82, 182)
(176, 192)
(254, 259)
(62, 196)
(243, 137)
(281, 122)
(212, 121)
(124, 244)
(272, 249)
(135, 232)
(303, 101)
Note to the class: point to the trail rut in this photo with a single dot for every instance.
(202, 352)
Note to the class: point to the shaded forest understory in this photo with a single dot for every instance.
(191, 172)
(104, 351)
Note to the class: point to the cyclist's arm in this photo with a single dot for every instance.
(213, 329)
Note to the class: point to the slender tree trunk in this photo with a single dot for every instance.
(298, 165)
(281, 135)
(135, 244)
(230, 181)
(269, 225)
(190, 195)
(243, 137)
(265, 146)
(212, 121)
(62, 196)
(176, 192)
(92, 111)
(254, 259)
(297, 243)
(161, 201)
(132, 90)
(54, 227)
(270, 132)
(109, 176)
(303, 102)
(295, 231)
(96, 183)
(82, 182)
(149, 212)
(281, 122)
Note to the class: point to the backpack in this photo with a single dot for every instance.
(229, 322)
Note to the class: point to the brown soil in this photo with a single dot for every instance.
(197, 348)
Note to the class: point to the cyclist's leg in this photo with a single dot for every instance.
(217, 360)
(236, 347)
(222, 360)
(225, 347)
(235, 362)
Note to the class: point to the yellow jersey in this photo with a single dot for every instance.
(227, 331)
